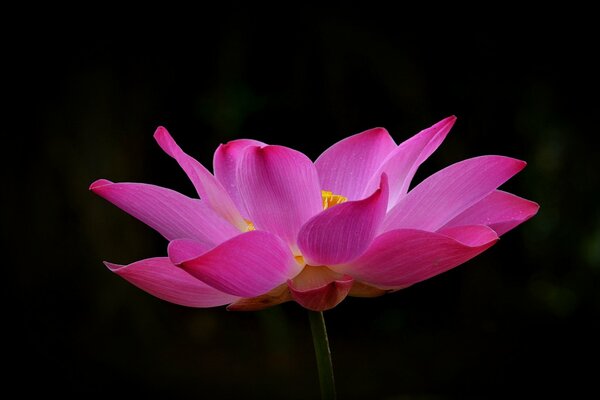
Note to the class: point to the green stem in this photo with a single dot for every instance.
(324, 365)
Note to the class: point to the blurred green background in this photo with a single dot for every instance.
(85, 103)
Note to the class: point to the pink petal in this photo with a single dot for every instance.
(470, 235)
(343, 232)
(280, 294)
(402, 163)
(500, 210)
(403, 257)
(172, 214)
(225, 164)
(247, 265)
(181, 250)
(280, 188)
(347, 167)
(208, 187)
(159, 277)
(446, 194)
(319, 288)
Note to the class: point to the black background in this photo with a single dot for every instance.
(86, 93)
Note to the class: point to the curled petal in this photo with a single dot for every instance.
(280, 188)
(402, 163)
(446, 194)
(319, 288)
(347, 167)
(208, 187)
(225, 164)
(181, 250)
(159, 277)
(248, 265)
(402, 257)
(172, 214)
(500, 210)
(343, 232)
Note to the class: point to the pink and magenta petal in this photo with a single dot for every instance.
(172, 214)
(500, 210)
(208, 187)
(343, 232)
(449, 192)
(181, 250)
(319, 288)
(247, 265)
(280, 188)
(402, 257)
(347, 167)
(159, 277)
(402, 163)
(225, 163)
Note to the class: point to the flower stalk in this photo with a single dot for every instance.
(323, 354)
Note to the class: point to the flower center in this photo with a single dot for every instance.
(330, 199)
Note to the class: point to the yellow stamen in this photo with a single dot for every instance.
(330, 199)
(250, 225)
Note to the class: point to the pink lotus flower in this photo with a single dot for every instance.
(273, 226)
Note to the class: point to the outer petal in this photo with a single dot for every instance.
(402, 163)
(207, 186)
(500, 210)
(446, 194)
(280, 188)
(280, 294)
(403, 257)
(248, 265)
(172, 214)
(343, 232)
(181, 250)
(361, 289)
(159, 277)
(319, 288)
(347, 167)
(225, 164)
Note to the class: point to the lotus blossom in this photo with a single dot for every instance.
(272, 226)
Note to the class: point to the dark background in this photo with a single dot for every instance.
(85, 98)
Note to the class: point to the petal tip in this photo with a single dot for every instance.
(99, 183)
(444, 125)
(379, 132)
(383, 181)
(472, 235)
(165, 141)
(519, 165)
(181, 251)
(505, 162)
(532, 209)
(171, 251)
(160, 131)
(112, 267)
